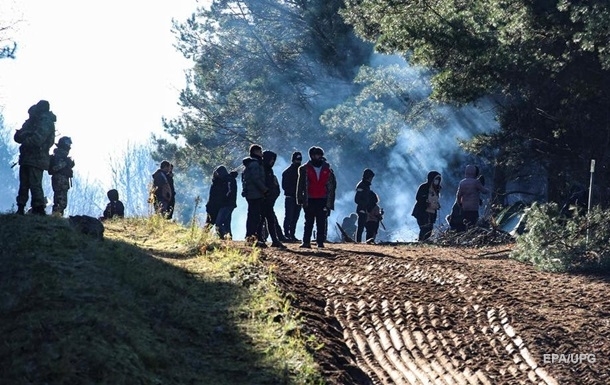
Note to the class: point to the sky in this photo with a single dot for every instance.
(108, 69)
(110, 73)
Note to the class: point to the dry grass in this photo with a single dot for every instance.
(154, 303)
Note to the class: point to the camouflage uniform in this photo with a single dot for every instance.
(61, 172)
(36, 137)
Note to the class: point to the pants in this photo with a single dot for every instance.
(30, 181)
(223, 221)
(372, 228)
(426, 223)
(162, 206)
(268, 219)
(253, 219)
(361, 226)
(291, 217)
(470, 218)
(61, 185)
(315, 211)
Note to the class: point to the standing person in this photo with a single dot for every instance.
(60, 169)
(36, 138)
(316, 187)
(114, 208)
(469, 195)
(268, 213)
(172, 200)
(427, 203)
(222, 200)
(362, 197)
(162, 188)
(254, 190)
(289, 185)
(374, 215)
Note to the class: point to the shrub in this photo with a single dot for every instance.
(556, 243)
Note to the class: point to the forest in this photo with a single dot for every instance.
(518, 87)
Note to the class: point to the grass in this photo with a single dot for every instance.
(154, 303)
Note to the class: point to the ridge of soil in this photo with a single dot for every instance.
(416, 314)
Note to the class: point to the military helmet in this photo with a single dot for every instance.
(64, 142)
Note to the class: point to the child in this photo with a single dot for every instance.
(60, 169)
(374, 215)
(115, 207)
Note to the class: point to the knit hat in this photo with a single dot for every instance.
(297, 156)
(368, 173)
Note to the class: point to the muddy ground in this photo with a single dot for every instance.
(416, 314)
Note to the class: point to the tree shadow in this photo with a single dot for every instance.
(75, 310)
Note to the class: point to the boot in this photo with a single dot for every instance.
(20, 210)
(39, 210)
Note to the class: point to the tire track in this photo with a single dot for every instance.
(416, 322)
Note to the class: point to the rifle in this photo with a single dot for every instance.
(344, 234)
(14, 164)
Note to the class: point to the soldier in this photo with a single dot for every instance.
(36, 138)
(60, 169)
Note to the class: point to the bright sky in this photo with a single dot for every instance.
(108, 69)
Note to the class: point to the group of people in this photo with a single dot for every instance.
(465, 210)
(309, 187)
(35, 138)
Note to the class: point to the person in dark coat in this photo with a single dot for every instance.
(316, 187)
(114, 208)
(162, 189)
(36, 137)
(254, 190)
(349, 226)
(222, 200)
(172, 200)
(427, 203)
(268, 212)
(362, 197)
(374, 217)
(292, 210)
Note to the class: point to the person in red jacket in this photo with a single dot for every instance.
(316, 187)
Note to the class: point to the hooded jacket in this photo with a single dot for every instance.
(421, 197)
(253, 178)
(270, 179)
(470, 189)
(223, 191)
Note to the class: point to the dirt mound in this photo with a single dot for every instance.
(416, 314)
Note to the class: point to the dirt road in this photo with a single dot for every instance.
(417, 314)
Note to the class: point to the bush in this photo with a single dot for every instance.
(556, 243)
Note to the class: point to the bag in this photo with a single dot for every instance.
(52, 164)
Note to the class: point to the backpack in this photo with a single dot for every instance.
(52, 163)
